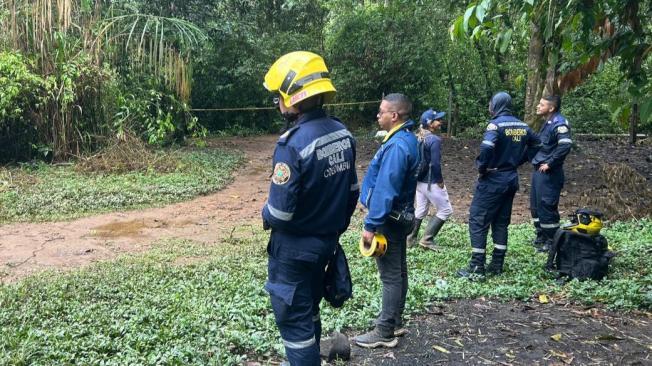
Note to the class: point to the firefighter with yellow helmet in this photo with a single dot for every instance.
(312, 196)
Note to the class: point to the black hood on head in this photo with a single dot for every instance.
(501, 105)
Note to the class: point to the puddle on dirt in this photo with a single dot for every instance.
(125, 228)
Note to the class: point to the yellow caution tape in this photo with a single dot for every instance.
(377, 248)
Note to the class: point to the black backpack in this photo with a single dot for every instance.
(577, 255)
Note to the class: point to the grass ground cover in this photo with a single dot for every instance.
(184, 303)
(44, 192)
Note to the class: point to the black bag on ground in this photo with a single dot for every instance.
(578, 255)
(338, 286)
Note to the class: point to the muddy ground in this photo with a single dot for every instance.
(485, 332)
(608, 175)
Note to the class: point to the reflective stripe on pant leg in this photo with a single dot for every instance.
(502, 217)
(289, 286)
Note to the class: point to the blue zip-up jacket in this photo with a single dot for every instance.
(431, 159)
(506, 144)
(390, 182)
(314, 186)
(555, 142)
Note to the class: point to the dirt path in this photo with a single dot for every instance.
(30, 247)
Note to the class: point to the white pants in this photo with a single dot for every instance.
(436, 196)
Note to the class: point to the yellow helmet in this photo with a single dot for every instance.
(299, 75)
(376, 248)
(585, 221)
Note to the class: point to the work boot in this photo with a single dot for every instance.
(475, 270)
(473, 273)
(412, 237)
(375, 339)
(428, 240)
(539, 240)
(495, 268)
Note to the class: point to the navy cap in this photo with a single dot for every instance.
(430, 115)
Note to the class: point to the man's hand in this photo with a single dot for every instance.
(368, 236)
(441, 185)
(544, 167)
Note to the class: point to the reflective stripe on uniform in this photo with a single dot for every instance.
(489, 143)
(477, 250)
(500, 247)
(355, 187)
(536, 219)
(565, 141)
(549, 226)
(281, 215)
(512, 124)
(299, 344)
(323, 140)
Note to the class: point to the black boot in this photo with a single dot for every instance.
(495, 268)
(412, 237)
(428, 240)
(475, 270)
(548, 236)
(539, 240)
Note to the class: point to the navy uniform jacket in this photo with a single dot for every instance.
(507, 144)
(390, 182)
(314, 186)
(431, 164)
(555, 142)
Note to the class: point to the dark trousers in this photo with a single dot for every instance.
(491, 207)
(394, 276)
(296, 289)
(544, 200)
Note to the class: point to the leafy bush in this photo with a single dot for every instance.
(21, 92)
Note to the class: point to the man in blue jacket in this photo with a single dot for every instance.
(548, 175)
(507, 143)
(388, 191)
(430, 182)
(313, 193)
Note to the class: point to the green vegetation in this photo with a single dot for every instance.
(44, 192)
(193, 304)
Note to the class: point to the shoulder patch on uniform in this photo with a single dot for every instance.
(492, 127)
(562, 129)
(281, 174)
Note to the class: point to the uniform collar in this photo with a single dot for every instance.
(310, 115)
(392, 132)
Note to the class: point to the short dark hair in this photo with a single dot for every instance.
(401, 102)
(554, 99)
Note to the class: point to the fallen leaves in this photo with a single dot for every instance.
(556, 337)
(440, 349)
(543, 299)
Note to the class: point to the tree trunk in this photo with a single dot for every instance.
(455, 112)
(633, 123)
(534, 76)
(485, 70)
(551, 86)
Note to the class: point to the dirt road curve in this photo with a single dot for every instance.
(29, 247)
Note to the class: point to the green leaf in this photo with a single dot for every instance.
(481, 10)
(646, 110)
(467, 17)
(531, 2)
(457, 31)
(504, 40)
